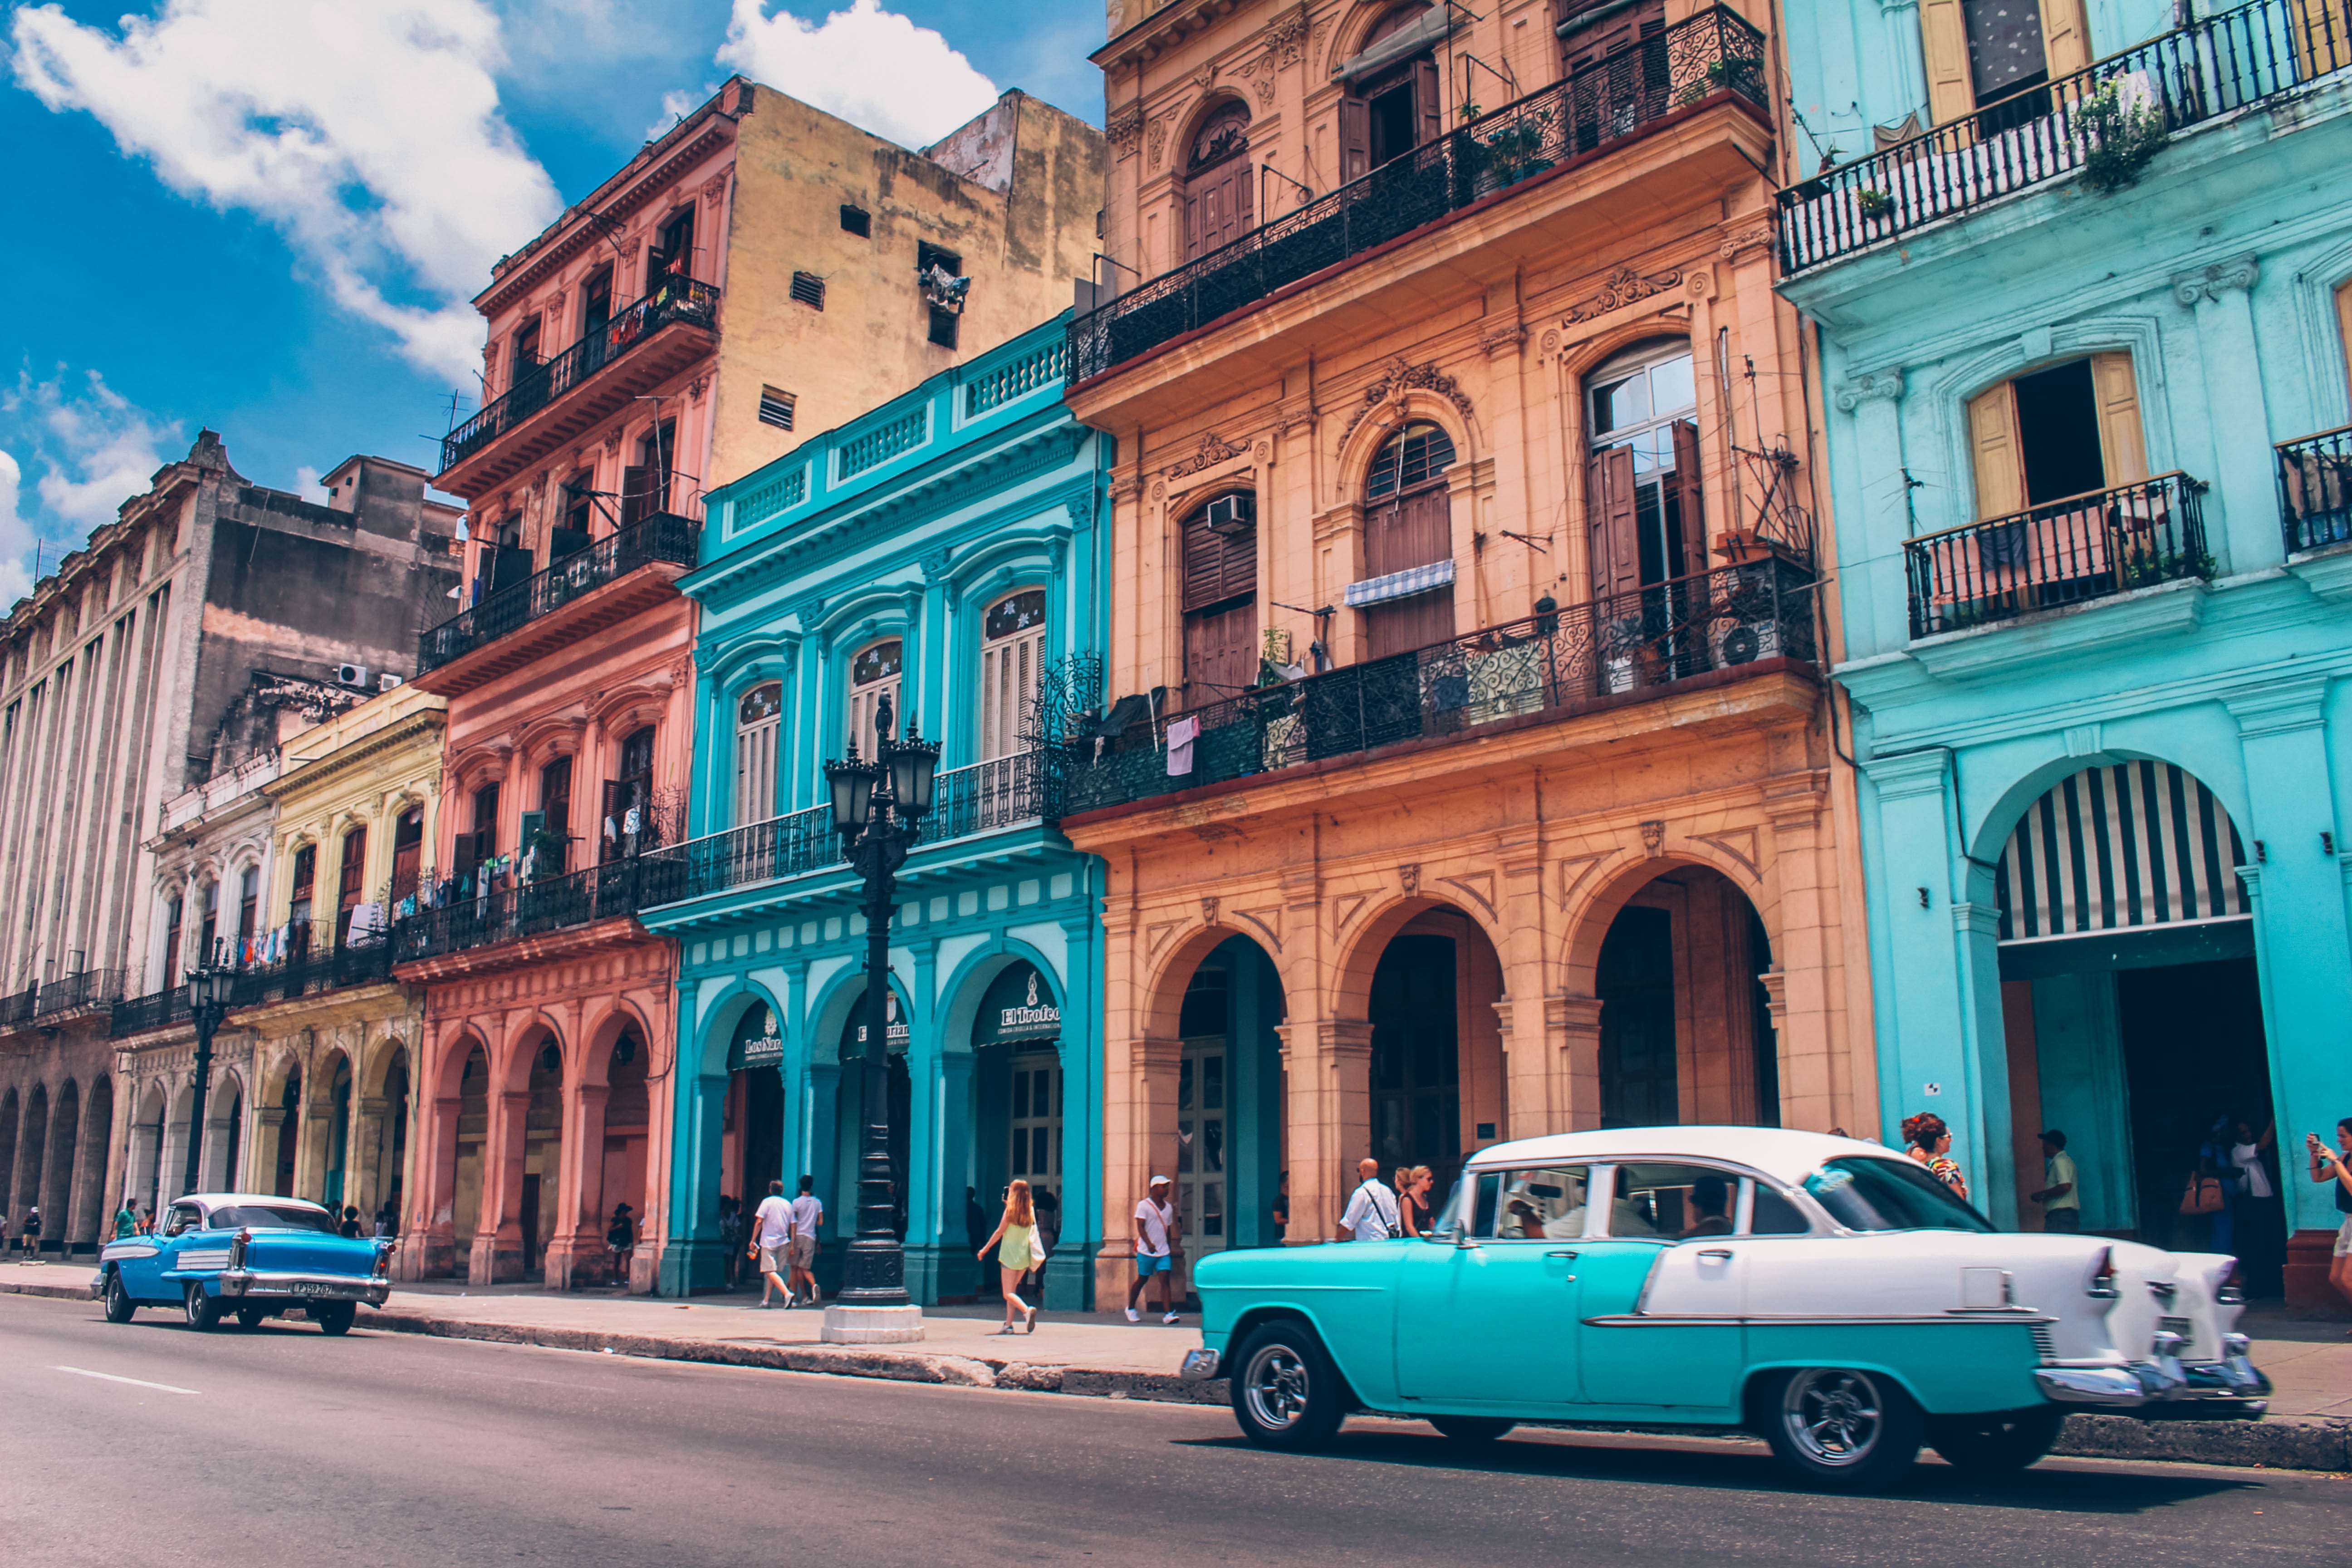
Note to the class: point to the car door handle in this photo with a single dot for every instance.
(1559, 1255)
(1715, 1252)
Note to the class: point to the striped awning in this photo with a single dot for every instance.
(2139, 844)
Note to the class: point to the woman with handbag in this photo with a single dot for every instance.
(1019, 1249)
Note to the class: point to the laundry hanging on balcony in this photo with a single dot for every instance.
(2135, 845)
(1400, 584)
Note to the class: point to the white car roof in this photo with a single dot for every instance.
(1778, 1152)
(215, 1200)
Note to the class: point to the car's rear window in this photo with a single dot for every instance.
(272, 1216)
(1866, 1193)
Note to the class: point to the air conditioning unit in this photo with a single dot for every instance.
(387, 682)
(1234, 514)
(351, 675)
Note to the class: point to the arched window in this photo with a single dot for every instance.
(758, 722)
(1642, 478)
(1220, 599)
(872, 687)
(1408, 526)
(1394, 100)
(1220, 197)
(1012, 650)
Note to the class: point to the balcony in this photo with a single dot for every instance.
(1585, 656)
(2067, 552)
(1610, 101)
(2315, 490)
(664, 539)
(36, 1004)
(2079, 123)
(605, 892)
(981, 798)
(552, 404)
(313, 974)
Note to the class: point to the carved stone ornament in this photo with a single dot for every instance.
(2212, 282)
(1409, 879)
(1399, 377)
(1550, 344)
(1653, 839)
(697, 387)
(1504, 340)
(1159, 489)
(1262, 450)
(1744, 240)
(715, 186)
(1878, 386)
(1156, 143)
(1285, 34)
(612, 440)
(1624, 287)
(1125, 130)
(1699, 285)
(1263, 84)
(1208, 912)
(1214, 449)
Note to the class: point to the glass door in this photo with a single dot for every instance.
(1200, 1148)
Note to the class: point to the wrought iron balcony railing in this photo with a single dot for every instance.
(1608, 101)
(979, 798)
(497, 914)
(17, 1011)
(1643, 641)
(664, 536)
(357, 964)
(2106, 118)
(2314, 477)
(2064, 552)
(673, 298)
(90, 988)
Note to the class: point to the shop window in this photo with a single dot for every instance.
(2066, 430)
(1643, 506)
(1219, 195)
(1994, 55)
(1011, 652)
(1220, 600)
(874, 711)
(1408, 523)
(759, 723)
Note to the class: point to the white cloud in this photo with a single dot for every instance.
(370, 135)
(15, 536)
(97, 448)
(308, 485)
(873, 68)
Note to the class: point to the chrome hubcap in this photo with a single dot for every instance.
(1276, 1386)
(1833, 1418)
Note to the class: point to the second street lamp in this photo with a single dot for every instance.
(879, 809)
(209, 989)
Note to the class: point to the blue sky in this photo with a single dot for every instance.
(266, 215)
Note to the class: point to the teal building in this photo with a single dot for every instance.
(943, 558)
(2080, 273)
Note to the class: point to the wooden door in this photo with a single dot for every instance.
(1355, 138)
(1610, 523)
(1220, 205)
(1219, 653)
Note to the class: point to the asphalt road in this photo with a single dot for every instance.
(285, 1447)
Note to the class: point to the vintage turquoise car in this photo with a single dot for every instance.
(1827, 1294)
(250, 1254)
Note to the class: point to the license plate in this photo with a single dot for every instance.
(312, 1288)
(2185, 1327)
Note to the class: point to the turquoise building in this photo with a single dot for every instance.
(2080, 273)
(944, 555)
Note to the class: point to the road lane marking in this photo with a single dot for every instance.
(134, 1381)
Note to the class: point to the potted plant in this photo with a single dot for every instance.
(2117, 138)
(1872, 203)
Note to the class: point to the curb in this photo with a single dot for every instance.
(2282, 1443)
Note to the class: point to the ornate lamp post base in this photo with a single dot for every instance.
(871, 1325)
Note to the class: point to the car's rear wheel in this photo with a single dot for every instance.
(119, 1304)
(1472, 1429)
(1837, 1427)
(335, 1318)
(202, 1312)
(1287, 1393)
(1991, 1445)
(252, 1317)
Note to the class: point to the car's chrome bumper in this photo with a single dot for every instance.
(248, 1284)
(2163, 1385)
(1200, 1365)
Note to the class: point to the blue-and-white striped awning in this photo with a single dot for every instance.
(1399, 584)
(2135, 845)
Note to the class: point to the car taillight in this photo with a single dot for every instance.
(2103, 1277)
(237, 1248)
(382, 1259)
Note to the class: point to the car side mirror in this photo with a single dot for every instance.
(1462, 1237)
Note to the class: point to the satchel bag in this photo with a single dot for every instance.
(2202, 1195)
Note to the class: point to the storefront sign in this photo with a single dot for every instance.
(1019, 1005)
(757, 1044)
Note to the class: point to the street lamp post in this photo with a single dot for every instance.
(879, 809)
(208, 999)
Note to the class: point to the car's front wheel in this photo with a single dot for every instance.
(1835, 1427)
(1287, 1393)
(1472, 1429)
(119, 1304)
(1992, 1445)
(335, 1318)
(202, 1311)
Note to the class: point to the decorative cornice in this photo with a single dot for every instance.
(1400, 377)
(2210, 283)
(1623, 288)
(1214, 449)
(1745, 239)
(1124, 130)
(1878, 386)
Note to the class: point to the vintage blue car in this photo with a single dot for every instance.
(249, 1254)
(1827, 1294)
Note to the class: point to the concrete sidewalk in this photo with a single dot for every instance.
(2310, 1363)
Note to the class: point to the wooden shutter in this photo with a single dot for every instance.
(1355, 138)
(1218, 207)
(2123, 449)
(1216, 567)
(2065, 37)
(1414, 530)
(1219, 653)
(1008, 683)
(1428, 108)
(2000, 462)
(1690, 498)
(636, 495)
(1609, 518)
(1944, 44)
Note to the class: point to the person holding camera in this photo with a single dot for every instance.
(2329, 1165)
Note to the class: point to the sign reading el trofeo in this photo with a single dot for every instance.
(1031, 1016)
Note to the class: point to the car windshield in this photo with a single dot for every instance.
(1866, 1194)
(272, 1216)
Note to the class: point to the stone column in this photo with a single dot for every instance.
(428, 1250)
(497, 1244)
(269, 1123)
(1564, 1078)
(364, 1183)
(950, 1262)
(821, 1158)
(213, 1173)
(691, 1260)
(2243, 529)
(1870, 551)
(577, 1242)
(1330, 1111)
(1139, 1142)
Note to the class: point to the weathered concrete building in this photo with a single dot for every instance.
(210, 620)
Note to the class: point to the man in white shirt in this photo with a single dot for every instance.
(1372, 1213)
(1156, 1229)
(808, 1219)
(771, 1231)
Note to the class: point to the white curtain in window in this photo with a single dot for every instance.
(1012, 651)
(758, 723)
